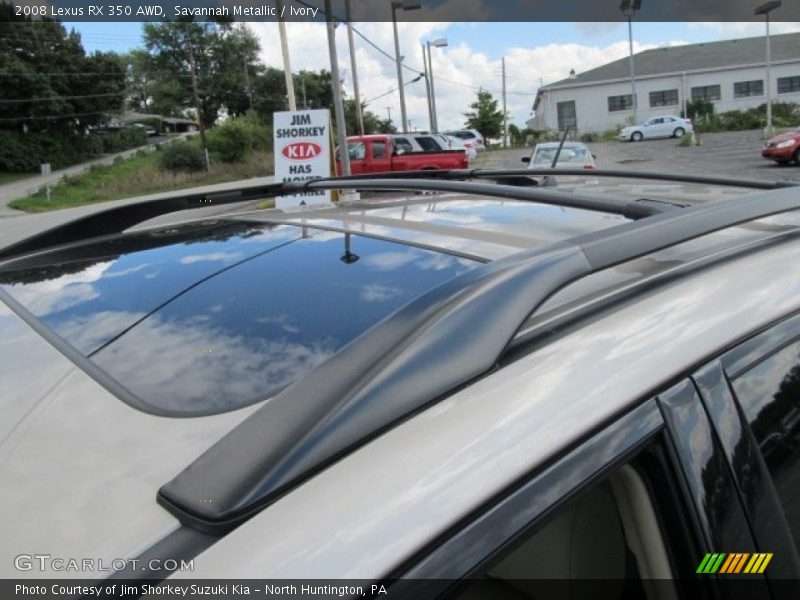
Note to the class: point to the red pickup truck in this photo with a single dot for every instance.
(384, 153)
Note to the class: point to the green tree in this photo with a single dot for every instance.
(312, 90)
(372, 122)
(218, 56)
(47, 82)
(484, 116)
(139, 83)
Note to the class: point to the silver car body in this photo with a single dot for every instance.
(80, 468)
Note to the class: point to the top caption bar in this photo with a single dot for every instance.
(404, 10)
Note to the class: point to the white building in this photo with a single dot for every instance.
(729, 73)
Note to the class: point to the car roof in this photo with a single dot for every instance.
(240, 341)
(464, 230)
(557, 144)
(450, 459)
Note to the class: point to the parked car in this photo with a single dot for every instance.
(570, 156)
(149, 129)
(783, 148)
(454, 143)
(502, 391)
(379, 153)
(470, 136)
(656, 127)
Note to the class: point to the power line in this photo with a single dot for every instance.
(407, 83)
(43, 117)
(53, 98)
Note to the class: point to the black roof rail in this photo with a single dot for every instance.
(116, 218)
(427, 349)
(632, 209)
(466, 174)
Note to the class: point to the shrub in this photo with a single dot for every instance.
(686, 140)
(233, 139)
(124, 139)
(181, 156)
(24, 152)
(588, 138)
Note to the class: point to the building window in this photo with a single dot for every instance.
(706, 92)
(743, 89)
(787, 85)
(567, 117)
(664, 98)
(618, 103)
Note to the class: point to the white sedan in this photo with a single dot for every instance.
(656, 127)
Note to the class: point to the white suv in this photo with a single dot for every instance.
(470, 136)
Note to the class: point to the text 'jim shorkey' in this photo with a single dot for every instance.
(734, 562)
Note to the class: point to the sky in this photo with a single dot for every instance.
(535, 53)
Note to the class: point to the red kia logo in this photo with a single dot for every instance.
(302, 150)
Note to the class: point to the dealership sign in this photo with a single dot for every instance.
(302, 152)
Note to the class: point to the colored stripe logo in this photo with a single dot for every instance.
(734, 563)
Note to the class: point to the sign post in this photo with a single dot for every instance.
(45, 169)
(302, 152)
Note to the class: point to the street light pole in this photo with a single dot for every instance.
(765, 9)
(438, 43)
(405, 6)
(628, 8)
(356, 96)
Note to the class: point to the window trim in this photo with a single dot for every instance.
(626, 105)
(663, 95)
(705, 97)
(749, 84)
(792, 79)
(750, 474)
(514, 513)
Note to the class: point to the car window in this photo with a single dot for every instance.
(615, 535)
(464, 135)
(403, 144)
(568, 523)
(428, 143)
(585, 540)
(769, 395)
(546, 155)
(356, 150)
(378, 149)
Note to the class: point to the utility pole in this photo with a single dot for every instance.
(338, 109)
(428, 90)
(247, 80)
(398, 59)
(287, 64)
(389, 112)
(505, 117)
(198, 109)
(404, 5)
(357, 97)
(438, 43)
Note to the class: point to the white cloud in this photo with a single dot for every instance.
(726, 31)
(459, 70)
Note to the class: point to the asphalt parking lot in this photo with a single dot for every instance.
(732, 154)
